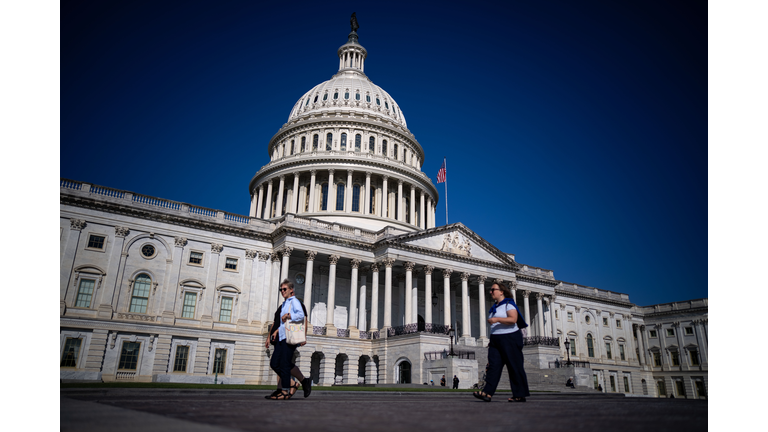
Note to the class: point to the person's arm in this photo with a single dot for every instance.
(510, 319)
(295, 315)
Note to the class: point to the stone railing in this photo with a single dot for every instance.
(125, 375)
(418, 328)
(340, 332)
(541, 340)
(156, 202)
(437, 355)
(565, 363)
(319, 330)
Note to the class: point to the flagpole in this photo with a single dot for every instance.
(446, 190)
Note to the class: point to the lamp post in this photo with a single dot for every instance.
(451, 333)
(216, 366)
(568, 350)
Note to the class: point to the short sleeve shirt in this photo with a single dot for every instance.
(499, 328)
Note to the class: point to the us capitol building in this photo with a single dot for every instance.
(164, 291)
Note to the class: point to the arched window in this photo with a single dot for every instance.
(358, 142)
(378, 102)
(384, 148)
(357, 96)
(325, 97)
(328, 142)
(397, 155)
(303, 144)
(315, 101)
(140, 296)
(367, 98)
(314, 142)
(404, 372)
(324, 193)
(372, 144)
(386, 104)
(356, 198)
(346, 95)
(307, 102)
(340, 197)
(372, 201)
(336, 95)
(343, 144)
(407, 209)
(590, 346)
(292, 149)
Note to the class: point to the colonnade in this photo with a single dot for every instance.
(320, 191)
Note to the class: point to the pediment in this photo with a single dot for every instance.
(456, 239)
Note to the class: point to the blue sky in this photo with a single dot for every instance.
(575, 134)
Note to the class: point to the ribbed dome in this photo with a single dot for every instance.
(348, 90)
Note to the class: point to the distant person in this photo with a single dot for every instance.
(432, 382)
(505, 347)
(442, 381)
(600, 387)
(455, 382)
(569, 383)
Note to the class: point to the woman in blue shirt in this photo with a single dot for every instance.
(505, 347)
(281, 359)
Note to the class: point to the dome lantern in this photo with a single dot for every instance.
(352, 55)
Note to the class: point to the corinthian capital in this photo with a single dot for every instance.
(180, 241)
(216, 247)
(408, 266)
(526, 293)
(481, 279)
(77, 224)
(310, 255)
(428, 270)
(286, 251)
(121, 231)
(464, 276)
(389, 262)
(250, 254)
(263, 256)
(375, 267)
(333, 259)
(447, 272)
(355, 263)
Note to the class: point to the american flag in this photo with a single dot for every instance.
(441, 173)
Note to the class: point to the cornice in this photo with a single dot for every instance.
(676, 312)
(565, 293)
(390, 244)
(535, 280)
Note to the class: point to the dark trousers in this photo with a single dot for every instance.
(506, 350)
(281, 362)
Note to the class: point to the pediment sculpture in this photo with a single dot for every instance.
(456, 243)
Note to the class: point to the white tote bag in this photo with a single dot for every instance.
(295, 333)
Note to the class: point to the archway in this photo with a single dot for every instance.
(403, 372)
(342, 361)
(314, 367)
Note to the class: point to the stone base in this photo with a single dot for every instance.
(196, 379)
(330, 330)
(483, 341)
(73, 375)
(354, 333)
(464, 369)
(168, 317)
(468, 341)
(104, 311)
(206, 321)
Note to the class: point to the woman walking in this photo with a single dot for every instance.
(280, 362)
(306, 383)
(505, 347)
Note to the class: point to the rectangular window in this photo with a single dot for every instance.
(618, 323)
(556, 316)
(605, 322)
(680, 388)
(96, 242)
(652, 334)
(356, 198)
(613, 384)
(675, 358)
(71, 352)
(230, 263)
(219, 360)
(570, 316)
(700, 388)
(608, 350)
(694, 357)
(662, 388)
(590, 347)
(140, 297)
(573, 346)
(180, 362)
(129, 355)
(689, 331)
(670, 332)
(656, 359)
(626, 385)
(594, 378)
(84, 293)
(621, 352)
(225, 314)
(188, 311)
(196, 258)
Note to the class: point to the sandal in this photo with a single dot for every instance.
(281, 396)
(274, 393)
(516, 399)
(294, 387)
(482, 396)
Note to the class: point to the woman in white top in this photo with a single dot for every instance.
(505, 347)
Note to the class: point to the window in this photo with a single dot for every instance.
(292, 148)
(325, 97)
(605, 322)
(570, 316)
(372, 145)
(140, 297)
(85, 293)
(590, 347)
(397, 154)
(346, 95)
(303, 144)
(384, 148)
(129, 355)
(95, 242)
(586, 319)
(608, 350)
(652, 334)
(613, 384)
(196, 258)
(378, 102)
(357, 96)
(386, 105)
(328, 142)
(358, 142)
(556, 315)
(225, 313)
(315, 100)
(694, 353)
(680, 387)
(71, 352)
(219, 360)
(324, 193)
(657, 359)
(367, 98)
(618, 323)
(621, 352)
(230, 264)
(670, 332)
(573, 346)
(700, 388)
(307, 102)
(594, 379)
(340, 197)
(336, 95)
(188, 310)
(314, 142)
(372, 201)
(180, 361)
(675, 358)
(343, 142)
(148, 251)
(662, 388)
(356, 198)
(626, 385)
(689, 331)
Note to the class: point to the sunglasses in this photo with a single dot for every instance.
(282, 289)
(494, 289)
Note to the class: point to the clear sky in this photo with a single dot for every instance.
(575, 132)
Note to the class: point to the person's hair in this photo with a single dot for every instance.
(288, 282)
(504, 289)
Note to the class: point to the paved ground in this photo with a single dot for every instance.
(169, 410)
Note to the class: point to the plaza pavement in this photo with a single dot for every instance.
(171, 410)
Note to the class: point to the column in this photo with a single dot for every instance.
(348, 193)
(681, 352)
(413, 206)
(415, 301)
(353, 295)
(286, 253)
(702, 341)
(252, 210)
(268, 209)
(295, 199)
(466, 330)
(331, 192)
(329, 325)
(364, 196)
(312, 205)
(259, 301)
(482, 316)
(384, 194)
(388, 262)
(434, 222)
(540, 314)
(640, 347)
(421, 212)
(400, 319)
(447, 296)
(408, 294)
(400, 204)
(68, 259)
(428, 294)
(551, 303)
(310, 255)
(361, 324)
(115, 256)
(430, 219)
(280, 191)
(259, 209)
(274, 285)
(374, 297)
(242, 311)
(527, 293)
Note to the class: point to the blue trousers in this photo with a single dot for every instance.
(281, 362)
(506, 350)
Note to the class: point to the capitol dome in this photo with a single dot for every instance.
(346, 156)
